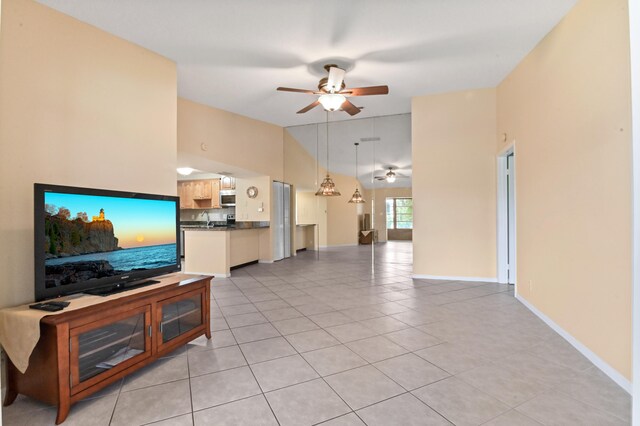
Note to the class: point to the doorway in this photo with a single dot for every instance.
(506, 247)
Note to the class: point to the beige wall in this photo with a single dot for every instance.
(78, 107)
(342, 216)
(454, 184)
(567, 106)
(380, 209)
(230, 140)
(248, 209)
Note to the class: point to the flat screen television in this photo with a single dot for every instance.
(98, 240)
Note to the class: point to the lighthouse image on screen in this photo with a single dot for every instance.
(89, 236)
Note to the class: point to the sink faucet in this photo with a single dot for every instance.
(206, 213)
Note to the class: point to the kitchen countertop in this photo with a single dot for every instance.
(223, 227)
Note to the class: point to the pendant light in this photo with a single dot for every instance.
(356, 197)
(327, 187)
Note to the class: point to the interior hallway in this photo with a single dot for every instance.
(329, 338)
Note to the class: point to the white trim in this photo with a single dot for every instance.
(634, 36)
(451, 278)
(265, 261)
(502, 219)
(590, 355)
(340, 245)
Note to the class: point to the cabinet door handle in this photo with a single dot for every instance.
(161, 327)
(149, 330)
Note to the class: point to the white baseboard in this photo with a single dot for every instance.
(590, 355)
(449, 278)
(340, 245)
(265, 261)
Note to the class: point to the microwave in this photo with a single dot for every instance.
(228, 198)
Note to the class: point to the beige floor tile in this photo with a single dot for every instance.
(306, 404)
(312, 340)
(152, 404)
(252, 411)
(511, 388)
(555, 408)
(403, 410)
(215, 360)
(452, 358)
(412, 339)
(282, 372)
(512, 418)
(410, 371)
(350, 332)
(363, 386)
(264, 350)
(593, 387)
(295, 325)
(376, 348)
(347, 420)
(184, 420)
(254, 332)
(162, 371)
(333, 360)
(222, 387)
(244, 320)
(460, 403)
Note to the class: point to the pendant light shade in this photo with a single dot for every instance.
(327, 187)
(356, 197)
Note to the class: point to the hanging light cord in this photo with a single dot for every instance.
(327, 143)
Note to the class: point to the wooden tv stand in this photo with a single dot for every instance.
(84, 350)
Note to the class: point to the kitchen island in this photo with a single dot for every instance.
(214, 250)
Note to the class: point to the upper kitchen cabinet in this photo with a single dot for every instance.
(227, 182)
(202, 190)
(185, 192)
(199, 194)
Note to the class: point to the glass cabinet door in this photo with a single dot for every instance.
(180, 315)
(109, 345)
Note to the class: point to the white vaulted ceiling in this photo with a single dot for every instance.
(232, 54)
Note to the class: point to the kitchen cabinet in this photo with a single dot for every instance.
(185, 192)
(199, 194)
(227, 183)
(202, 189)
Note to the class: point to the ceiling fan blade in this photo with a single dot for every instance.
(366, 91)
(350, 108)
(289, 89)
(334, 82)
(309, 107)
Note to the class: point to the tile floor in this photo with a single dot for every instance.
(327, 339)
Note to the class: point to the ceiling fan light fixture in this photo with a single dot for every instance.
(332, 101)
(391, 177)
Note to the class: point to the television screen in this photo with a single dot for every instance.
(89, 238)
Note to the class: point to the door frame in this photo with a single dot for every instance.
(502, 225)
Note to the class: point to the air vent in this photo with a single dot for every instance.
(373, 139)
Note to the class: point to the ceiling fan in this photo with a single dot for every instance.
(333, 93)
(390, 176)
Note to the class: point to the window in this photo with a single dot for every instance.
(399, 213)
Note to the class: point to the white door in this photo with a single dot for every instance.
(277, 221)
(286, 219)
